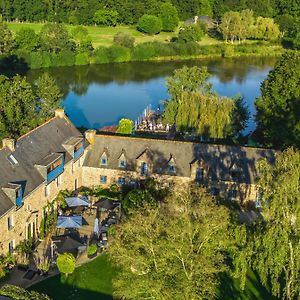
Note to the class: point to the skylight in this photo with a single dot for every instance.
(12, 159)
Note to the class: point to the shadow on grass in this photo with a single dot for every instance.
(254, 290)
(92, 280)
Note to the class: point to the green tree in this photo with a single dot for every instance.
(124, 40)
(49, 95)
(175, 251)
(17, 106)
(169, 17)
(27, 39)
(266, 29)
(190, 33)
(66, 263)
(272, 247)
(278, 108)
(149, 24)
(82, 39)
(125, 126)
(6, 39)
(54, 38)
(188, 80)
(107, 17)
(137, 199)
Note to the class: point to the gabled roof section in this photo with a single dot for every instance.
(216, 158)
(31, 149)
(49, 159)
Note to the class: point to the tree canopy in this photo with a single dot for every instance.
(169, 17)
(175, 251)
(278, 108)
(66, 263)
(271, 247)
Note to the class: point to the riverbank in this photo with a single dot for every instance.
(150, 51)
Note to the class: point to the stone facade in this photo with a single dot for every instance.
(25, 221)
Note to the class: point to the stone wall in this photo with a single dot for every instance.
(29, 216)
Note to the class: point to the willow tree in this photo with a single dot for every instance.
(194, 107)
(175, 251)
(208, 114)
(272, 247)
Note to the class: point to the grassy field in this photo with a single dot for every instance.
(94, 281)
(103, 36)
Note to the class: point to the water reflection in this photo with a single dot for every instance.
(99, 95)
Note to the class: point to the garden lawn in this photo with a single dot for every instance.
(103, 36)
(94, 281)
(90, 281)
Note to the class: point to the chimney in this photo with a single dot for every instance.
(9, 143)
(60, 113)
(90, 136)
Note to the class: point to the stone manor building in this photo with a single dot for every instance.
(56, 156)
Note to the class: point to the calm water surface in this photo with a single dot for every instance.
(99, 95)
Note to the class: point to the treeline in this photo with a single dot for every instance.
(56, 46)
(128, 12)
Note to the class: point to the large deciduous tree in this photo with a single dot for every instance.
(169, 17)
(27, 39)
(49, 95)
(149, 24)
(54, 38)
(17, 106)
(278, 108)
(272, 247)
(175, 251)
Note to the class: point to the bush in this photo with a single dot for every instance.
(106, 17)
(66, 263)
(82, 59)
(143, 51)
(124, 40)
(92, 249)
(125, 126)
(101, 55)
(149, 24)
(118, 54)
(191, 33)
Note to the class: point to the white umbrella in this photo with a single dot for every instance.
(96, 227)
(77, 201)
(69, 222)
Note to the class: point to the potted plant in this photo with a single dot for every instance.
(44, 267)
(92, 251)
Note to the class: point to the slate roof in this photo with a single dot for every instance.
(224, 163)
(30, 149)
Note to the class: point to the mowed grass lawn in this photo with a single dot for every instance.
(94, 281)
(90, 281)
(103, 36)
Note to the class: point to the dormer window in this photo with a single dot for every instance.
(144, 169)
(104, 158)
(78, 150)
(15, 192)
(122, 160)
(232, 194)
(172, 169)
(104, 161)
(122, 163)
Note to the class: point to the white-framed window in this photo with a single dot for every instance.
(47, 190)
(11, 246)
(144, 169)
(103, 161)
(172, 169)
(232, 194)
(10, 222)
(58, 180)
(76, 184)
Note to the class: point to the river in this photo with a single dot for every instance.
(99, 95)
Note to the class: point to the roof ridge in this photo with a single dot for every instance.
(182, 142)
